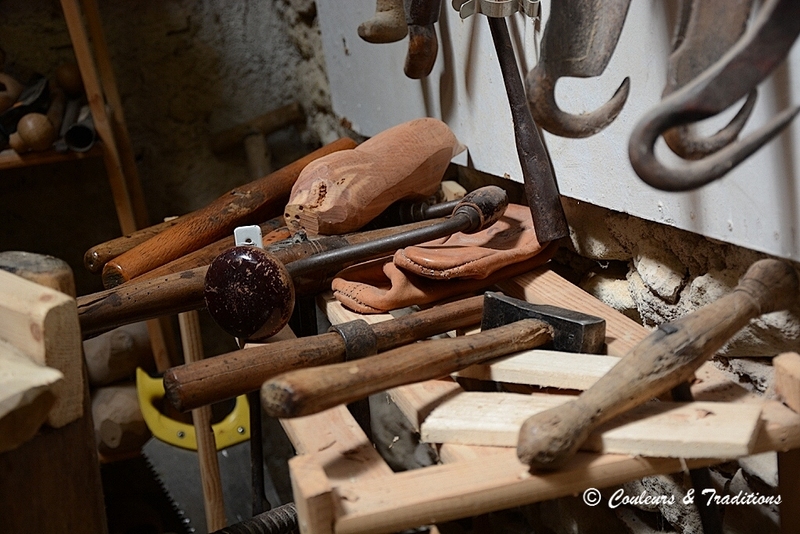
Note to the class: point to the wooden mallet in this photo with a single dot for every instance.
(665, 359)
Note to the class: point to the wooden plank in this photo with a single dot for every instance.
(43, 324)
(662, 429)
(461, 487)
(25, 396)
(545, 368)
(787, 378)
(9, 159)
(312, 494)
(35, 475)
(495, 482)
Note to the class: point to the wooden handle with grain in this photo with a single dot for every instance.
(248, 204)
(342, 192)
(148, 296)
(308, 391)
(236, 373)
(96, 257)
(666, 358)
(271, 230)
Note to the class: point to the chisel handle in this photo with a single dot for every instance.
(666, 358)
(308, 391)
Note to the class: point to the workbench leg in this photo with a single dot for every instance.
(787, 386)
(312, 495)
(789, 490)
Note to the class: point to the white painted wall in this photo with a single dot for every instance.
(756, 206)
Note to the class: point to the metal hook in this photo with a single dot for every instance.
(578, 41)
(706, 31)
(733, 76)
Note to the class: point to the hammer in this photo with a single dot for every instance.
(508, 325)
(230, 375)
(665, 359)
(253, 132)
(251, 294)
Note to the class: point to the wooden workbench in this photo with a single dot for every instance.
(342, 485)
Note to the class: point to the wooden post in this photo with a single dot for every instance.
(206, 445)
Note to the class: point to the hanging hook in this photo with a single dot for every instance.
(729, 79)
(578, 41)
(705, 32)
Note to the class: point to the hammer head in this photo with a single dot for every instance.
(573, 331)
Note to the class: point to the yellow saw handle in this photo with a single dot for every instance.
(233, 429)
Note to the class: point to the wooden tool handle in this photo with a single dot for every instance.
(271, 230)
(341, 192)
(166, 295)
(271, 121)
(96, 257)
(249, 204)
(667, 357)
(308, 391)
(229, 375)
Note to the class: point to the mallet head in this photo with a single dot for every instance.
(573, 331)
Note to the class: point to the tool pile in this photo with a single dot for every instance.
(318, 230)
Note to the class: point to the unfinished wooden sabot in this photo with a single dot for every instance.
(341, 192)
(26, 396)
(43, 324)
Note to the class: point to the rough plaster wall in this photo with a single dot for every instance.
(185, 69)
(658, 273)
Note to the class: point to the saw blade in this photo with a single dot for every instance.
(179, 471)
(136, 498)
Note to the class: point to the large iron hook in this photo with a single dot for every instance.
(729, 79)
(578, 41)
(705, 32)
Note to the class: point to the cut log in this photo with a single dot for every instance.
(119, 426)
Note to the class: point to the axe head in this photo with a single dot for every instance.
(573, 331)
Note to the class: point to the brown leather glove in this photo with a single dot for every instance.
(379, 286)
(447, 267)
(510, 240)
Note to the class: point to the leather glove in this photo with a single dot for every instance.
(379, 286)
(510, 240)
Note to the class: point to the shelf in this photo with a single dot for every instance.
(11, 160)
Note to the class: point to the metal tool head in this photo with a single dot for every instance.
(578, 41)
(574, 331)
(731, 78)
